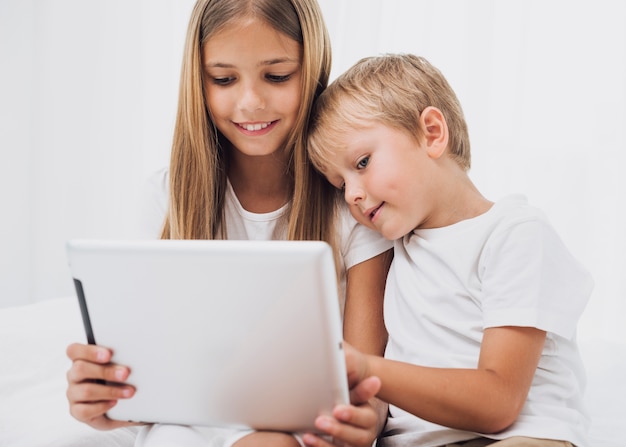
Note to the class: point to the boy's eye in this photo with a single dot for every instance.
(277, 78)
(362, 163)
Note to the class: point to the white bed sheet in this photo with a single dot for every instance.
(33, 407)
(34, 410)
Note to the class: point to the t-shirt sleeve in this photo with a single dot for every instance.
(530, 279)
(358, 243)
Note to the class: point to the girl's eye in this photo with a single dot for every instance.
(223, 81)
(278, 78)
(362, 163)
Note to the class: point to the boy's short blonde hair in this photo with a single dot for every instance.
(392, 89)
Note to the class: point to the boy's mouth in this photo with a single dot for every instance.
(372, 214)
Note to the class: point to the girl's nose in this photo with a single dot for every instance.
(251, 98)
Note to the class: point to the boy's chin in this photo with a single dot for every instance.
(393, 234)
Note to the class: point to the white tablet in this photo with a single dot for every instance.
(231, 333)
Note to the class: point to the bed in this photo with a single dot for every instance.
(34, 411)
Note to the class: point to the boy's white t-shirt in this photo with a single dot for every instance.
(507, 267)
(357, 244)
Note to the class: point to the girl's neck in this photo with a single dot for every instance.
(261, 184)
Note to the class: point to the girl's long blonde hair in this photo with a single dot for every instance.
(198, 160)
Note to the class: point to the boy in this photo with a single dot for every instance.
(482, 299)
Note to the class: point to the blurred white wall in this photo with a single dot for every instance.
(88, 97)
(89, 93)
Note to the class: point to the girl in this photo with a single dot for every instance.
(238, 170)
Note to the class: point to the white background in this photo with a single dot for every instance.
(88, 95)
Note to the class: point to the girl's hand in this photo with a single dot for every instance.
(357, 424)
(89, 397)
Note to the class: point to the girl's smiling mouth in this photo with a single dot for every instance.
(255, 128)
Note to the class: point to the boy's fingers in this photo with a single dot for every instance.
(356, 433)
(365, 390)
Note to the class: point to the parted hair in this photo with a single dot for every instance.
(198, 164)
(391, 89)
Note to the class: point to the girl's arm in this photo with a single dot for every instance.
(363, 325)
(89, 400)
(487, 399)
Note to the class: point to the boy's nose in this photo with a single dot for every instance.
(353, 194)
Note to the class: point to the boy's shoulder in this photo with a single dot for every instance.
(515, 208)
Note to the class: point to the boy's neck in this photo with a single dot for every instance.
(459, 200)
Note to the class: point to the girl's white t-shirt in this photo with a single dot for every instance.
(357, 243)
(507, 267)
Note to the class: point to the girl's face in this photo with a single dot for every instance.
(252, 80)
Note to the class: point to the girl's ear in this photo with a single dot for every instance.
(435, 129)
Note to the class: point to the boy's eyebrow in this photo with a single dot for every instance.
(280, 60)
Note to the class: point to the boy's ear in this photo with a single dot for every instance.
(435, 130)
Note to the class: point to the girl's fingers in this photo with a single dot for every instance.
(92, 393)
(90, 353)
(94, 415)
(86, 371)
(95, 385)
(91, 411)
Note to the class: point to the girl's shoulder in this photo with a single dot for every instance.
(357, 242)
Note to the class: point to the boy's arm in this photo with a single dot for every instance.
(360, 423)
(363, 325)
(486, 399)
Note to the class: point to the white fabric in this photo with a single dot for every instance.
(357, 244)
(507, 267)
(163, 435)
(34, 409)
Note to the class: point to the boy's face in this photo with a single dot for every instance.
(387, 177)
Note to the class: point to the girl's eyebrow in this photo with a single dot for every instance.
(281, 60)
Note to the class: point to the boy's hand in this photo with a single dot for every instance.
(356, 366)
(357, 424)
(88, 396)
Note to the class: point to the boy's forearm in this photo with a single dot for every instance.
(459, 398)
